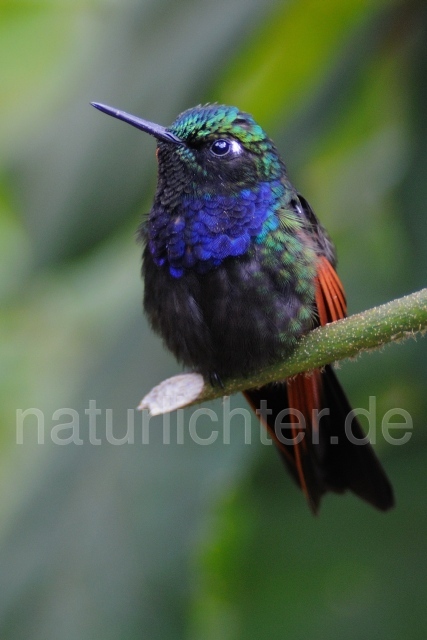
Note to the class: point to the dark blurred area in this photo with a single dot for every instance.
(182, 541)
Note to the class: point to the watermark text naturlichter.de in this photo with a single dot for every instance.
(203, 426)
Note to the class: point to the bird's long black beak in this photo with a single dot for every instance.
(149, 127)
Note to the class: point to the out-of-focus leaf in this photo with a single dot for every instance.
(287, 60)
(271, 570)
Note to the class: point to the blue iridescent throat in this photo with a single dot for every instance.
(205, 231)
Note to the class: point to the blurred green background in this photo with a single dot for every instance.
(180, 541)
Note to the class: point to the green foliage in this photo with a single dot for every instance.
(179, 540)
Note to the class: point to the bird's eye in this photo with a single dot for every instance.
(220, 147)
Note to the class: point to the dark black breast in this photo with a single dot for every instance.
(230, 321)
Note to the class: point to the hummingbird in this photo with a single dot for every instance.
(237, 267)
